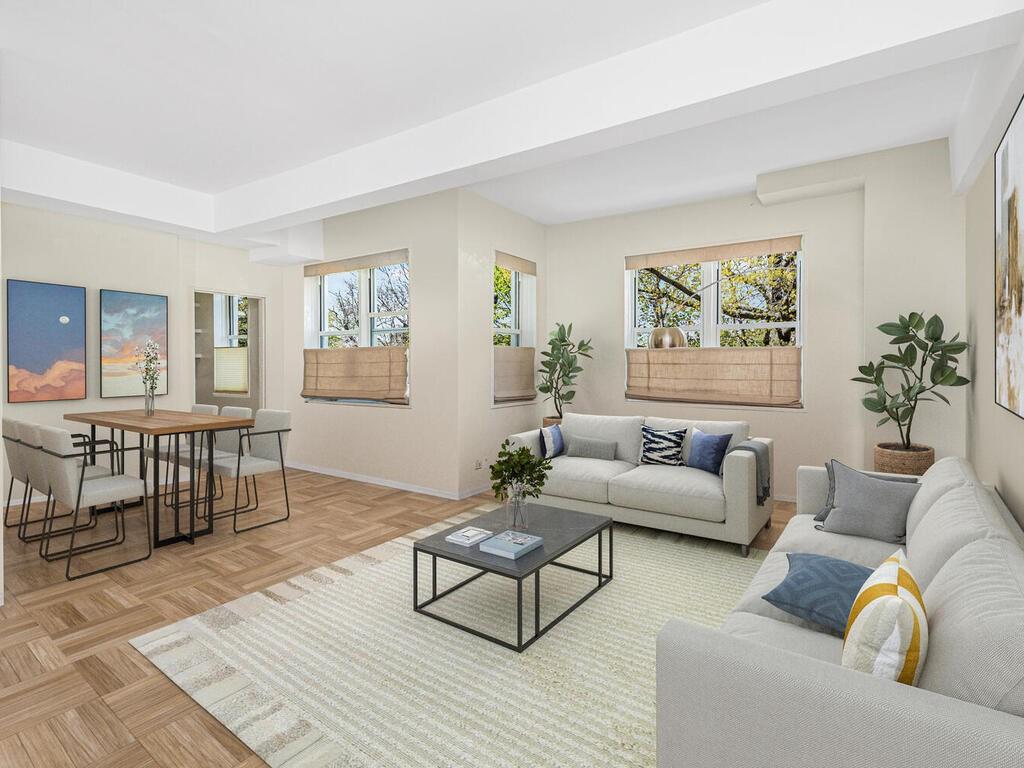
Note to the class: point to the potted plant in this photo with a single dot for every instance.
(559, 369)
(901, 380)
(517, 474)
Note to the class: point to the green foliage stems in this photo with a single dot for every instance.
(920, 351)
(560, 366)
(518, 473)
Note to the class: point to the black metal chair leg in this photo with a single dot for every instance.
(287, 503)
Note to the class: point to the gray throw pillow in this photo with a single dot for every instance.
(868, 506)
(830, 499)
(591, 448)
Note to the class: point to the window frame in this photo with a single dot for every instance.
(711, 326)
(364, 333)
(515, 331)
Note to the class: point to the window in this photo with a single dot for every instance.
(230, 344)
(507, 324)
(745, 302)
(365, 307)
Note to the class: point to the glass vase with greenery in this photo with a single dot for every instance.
(147, 362)
(517, 474)
(561, 365)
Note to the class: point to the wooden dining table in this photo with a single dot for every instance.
(172, 426)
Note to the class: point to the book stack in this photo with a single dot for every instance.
(468, 536)
(511, 544)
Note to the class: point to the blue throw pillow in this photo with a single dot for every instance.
(707, 451)
(820, 590)
(551, 442)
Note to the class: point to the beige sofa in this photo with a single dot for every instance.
(680, 499)
(768, 689)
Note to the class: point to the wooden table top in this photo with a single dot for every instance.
(160, 423)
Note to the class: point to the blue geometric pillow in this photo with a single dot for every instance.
(551, 442)
(662, 446)
(707, 451)
(820, 590)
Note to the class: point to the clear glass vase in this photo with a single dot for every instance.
(516, 512)
(150, 402)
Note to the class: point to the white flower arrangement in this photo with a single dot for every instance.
(147, 362)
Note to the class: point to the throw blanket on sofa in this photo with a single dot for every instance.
(764, 467)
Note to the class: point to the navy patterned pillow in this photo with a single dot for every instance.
(820, 590)
(662, 446)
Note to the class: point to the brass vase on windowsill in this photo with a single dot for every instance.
(667, 338)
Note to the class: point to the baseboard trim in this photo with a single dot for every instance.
(383, 481)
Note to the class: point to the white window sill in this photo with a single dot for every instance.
(358, 403)
(514, 403)
(723, 406)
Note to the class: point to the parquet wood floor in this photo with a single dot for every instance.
(75, 694)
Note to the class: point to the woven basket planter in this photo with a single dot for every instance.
(550, 421)
(894, 458)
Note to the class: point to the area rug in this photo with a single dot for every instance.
(333, 667)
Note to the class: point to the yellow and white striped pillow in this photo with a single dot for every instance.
(887, 632)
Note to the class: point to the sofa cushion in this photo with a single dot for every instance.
(800, 535)
(592, 448)
(740, 430)
(681, 491)
(820, 589)
(806, 642)
(957, 518)
(624, 431)
(976, 624)
(941, 477)
(572, 477)
(770, 575)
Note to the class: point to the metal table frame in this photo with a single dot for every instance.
(538, 631)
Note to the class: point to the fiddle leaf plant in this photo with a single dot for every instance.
(922, 362)
(561, 365)
(518, 473)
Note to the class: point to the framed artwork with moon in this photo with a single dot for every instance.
(45, 342)
(127, 321)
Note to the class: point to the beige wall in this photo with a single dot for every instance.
(54, 247)
(484, 228)
(995, 436)
(883, 235)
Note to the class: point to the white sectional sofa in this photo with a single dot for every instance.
(768, 689)
(681, 499)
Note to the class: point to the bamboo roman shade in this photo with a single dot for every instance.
(735, 375)
(716, 252)
(514, 263)
(358, 262)
(513, 374)
(231, 370)
(357, 373)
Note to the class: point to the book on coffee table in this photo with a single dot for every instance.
(467, 537)
(511, 544)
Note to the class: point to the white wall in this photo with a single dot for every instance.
(484, 228)
(883, 235)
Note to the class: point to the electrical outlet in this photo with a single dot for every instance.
(478, 464)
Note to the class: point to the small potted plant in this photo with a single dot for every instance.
(559, 369)
(901, 380)
(516, 475)
(147, 361)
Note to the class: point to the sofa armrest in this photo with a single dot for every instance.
(728, 701)
(744, 517)
(530, 439)
(812, 487)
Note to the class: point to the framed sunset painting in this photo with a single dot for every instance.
(127, 321)
(1009, 269)
(45, 342)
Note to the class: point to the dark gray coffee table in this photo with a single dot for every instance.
(562, 530)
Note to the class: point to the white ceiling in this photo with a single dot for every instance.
(209, 95)
(241, 118)
(724, 158)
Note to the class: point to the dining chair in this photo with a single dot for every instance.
(66, 463)
(183, 453)
(260, 451)
(17, 469)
